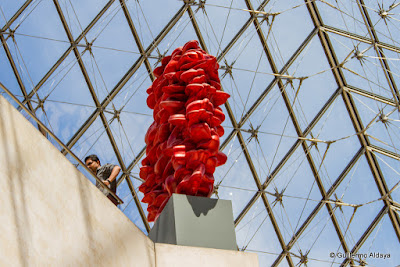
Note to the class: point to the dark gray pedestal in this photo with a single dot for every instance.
(196, 221)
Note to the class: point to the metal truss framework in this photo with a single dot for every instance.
(367, 149)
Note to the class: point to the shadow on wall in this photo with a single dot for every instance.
(201, 207)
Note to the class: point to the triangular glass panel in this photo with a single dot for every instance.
(294, 193)
(106, 68)
(234, 180)
(8, 9)
(240, 197)
(381, 122)
(392, 59)
(245, 76)
(360, 197)
(269, 131)
(382, 246)
(130, 115)
(150, 18)
(40, 20)
(390, 168)
(94, 140)
(38, 55)
(255, 233)
(62, 118)
(333, 142)
(319, 242)
(283, 40)
(7, 77)
(123, 127)
(78, 14)
(219, 22)
(132, 96)
(360, 65)
(19, 61)
(384, 17)
(181, 33)
(233, 172)
(227, 124)
(129, 207)
(113, 51)
(345, 16)
(65, 84)
(310, 83)
(115, 36)
(38, 40)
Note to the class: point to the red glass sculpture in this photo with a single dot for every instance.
(183, 141)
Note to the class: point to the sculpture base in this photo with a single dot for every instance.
(196, 221)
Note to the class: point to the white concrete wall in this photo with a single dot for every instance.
(51, 215)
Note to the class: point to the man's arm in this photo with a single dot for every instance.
(113, 175)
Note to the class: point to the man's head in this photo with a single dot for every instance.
(92, 162)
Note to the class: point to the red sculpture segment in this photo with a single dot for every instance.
(183, 141)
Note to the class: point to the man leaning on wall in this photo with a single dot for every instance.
(107, 173)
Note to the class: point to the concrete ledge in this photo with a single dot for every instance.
(184, 256)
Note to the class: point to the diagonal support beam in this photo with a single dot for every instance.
(360, 38)
(16, 16)
(273, 83)
(197, 29)
(137, 38)
(101, 106)
(354, 116)
(367, 233)
(18, 76)
(126, 77)
(102, 115)
(384, 152)
(247, 154)
(297, 127)
(125, 176)
(90, 85)
(282, 163)
(330, 192)
(370, 95)
(241, 31)
(277, 79)
(379, 52)
(66, 53)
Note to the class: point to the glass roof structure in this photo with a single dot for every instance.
(312, 129)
